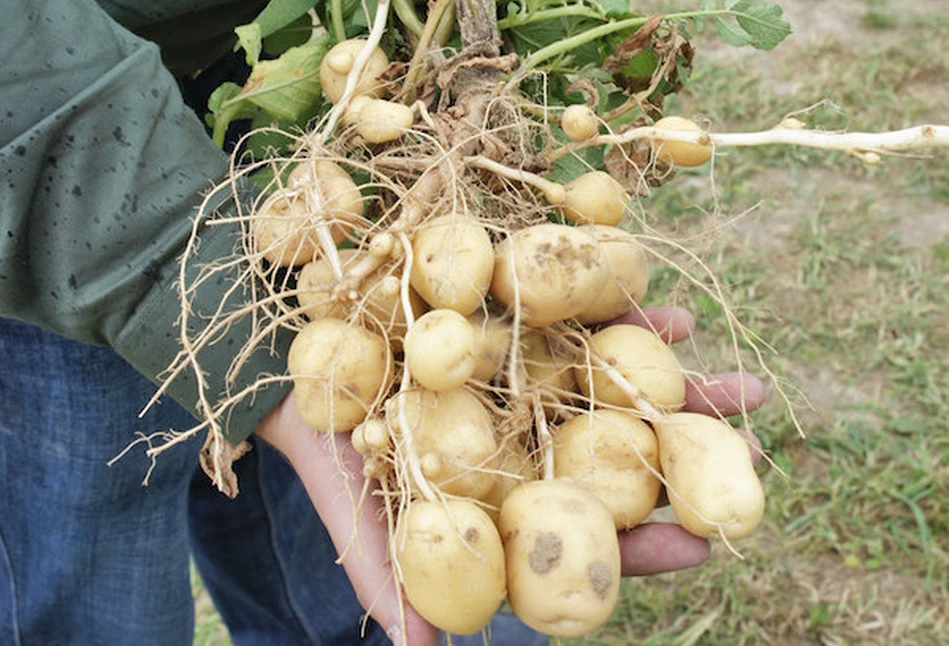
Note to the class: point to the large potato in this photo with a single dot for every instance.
(711, 480)
(553, 271)
(614, 455)
(452, 564)
(338, 371)
(452, 263)
(453, 437)
(562, 557)
(645, 363)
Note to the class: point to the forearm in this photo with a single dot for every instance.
(103, 167)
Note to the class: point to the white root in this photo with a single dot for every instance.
(867, 146)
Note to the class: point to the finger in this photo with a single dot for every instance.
(671, 323)
(652, 548)
(723, 394)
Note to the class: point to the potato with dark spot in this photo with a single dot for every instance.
(550, 271)
(562, 557)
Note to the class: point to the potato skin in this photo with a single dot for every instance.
(559, 270)
(562, 555)
(712, 485)
(453, 262)
(629, 275)
(452, 564)
(645, 362)
(615, 456)
(454, 439)
(680, 153)
(338, 371)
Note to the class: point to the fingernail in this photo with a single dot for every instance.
(395, 636)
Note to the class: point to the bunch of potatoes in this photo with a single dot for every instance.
(476, 368)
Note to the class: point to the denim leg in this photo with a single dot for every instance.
(87, 554)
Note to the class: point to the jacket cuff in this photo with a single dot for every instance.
(152, 335)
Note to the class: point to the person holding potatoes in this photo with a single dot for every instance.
(103, 164)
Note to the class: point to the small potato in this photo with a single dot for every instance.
(562, 557)
(712, 485)
(643, 360)
(441, 349)
(453, 437)
(579, 122)
(629, 275)
(338, 371)
(555, 271)
(379, 121)
(494, 341)
(381, 294)
(680, 153)
(337, 64)
(282, 230)
(453, 262)
(316, 284)
(595, 198)
(328, 185)
(613, 455)
(452, 564)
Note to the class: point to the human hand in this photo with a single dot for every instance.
(331, 471)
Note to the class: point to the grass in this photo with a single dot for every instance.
(843, 269)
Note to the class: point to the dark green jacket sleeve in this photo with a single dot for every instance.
(102, 166)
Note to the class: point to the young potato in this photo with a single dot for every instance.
(451, 561)
(381, 294)
(453, 262)
(712, 485)
(595, 198)
(339, 60)
(494, 341)
(441, 349)
(629, 275)
(562, 557)
(281, 230)
(680, 153)
(579, 122)
(613, 455)
(453, 438)
(555, 271)
(316, 285)
(379, 121)
(643, 360)
(338, 371)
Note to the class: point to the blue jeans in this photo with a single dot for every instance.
(89, 556)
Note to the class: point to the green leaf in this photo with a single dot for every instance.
(288, 87)
(275, 16)
(281, 13)
(759, 24)
(615, 8)
(249, 39)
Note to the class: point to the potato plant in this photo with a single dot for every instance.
(446, 218)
